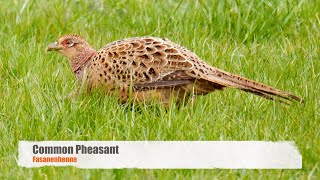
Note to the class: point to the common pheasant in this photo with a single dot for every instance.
(148, 68)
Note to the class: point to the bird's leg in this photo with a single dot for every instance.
(193, 97)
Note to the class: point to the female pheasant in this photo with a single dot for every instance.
(148, 68)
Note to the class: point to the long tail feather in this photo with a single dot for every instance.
(234, 81)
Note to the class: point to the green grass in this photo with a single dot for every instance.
(275, 42)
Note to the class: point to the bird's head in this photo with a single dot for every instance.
(72, 46)
(75, 48)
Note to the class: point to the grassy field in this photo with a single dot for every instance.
(276, 43)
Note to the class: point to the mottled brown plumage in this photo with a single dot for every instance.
(153, 68)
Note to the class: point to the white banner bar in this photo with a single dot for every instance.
(161, 154)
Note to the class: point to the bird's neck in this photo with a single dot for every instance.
(79, 61)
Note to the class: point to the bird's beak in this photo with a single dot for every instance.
(54, 47)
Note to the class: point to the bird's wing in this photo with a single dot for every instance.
(146, 62)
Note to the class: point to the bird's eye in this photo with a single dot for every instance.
(68, 43)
